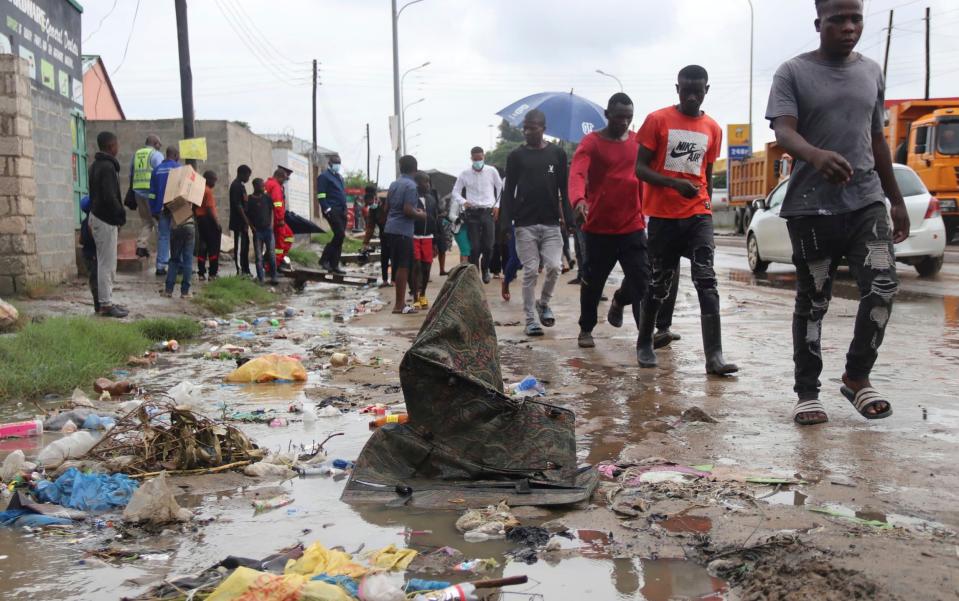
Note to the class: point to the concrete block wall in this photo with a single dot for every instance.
(228, 146)
(18, 190)
(55, 219)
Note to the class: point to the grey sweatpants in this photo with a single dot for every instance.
(105, 235)
(148, 223)
(532, 243)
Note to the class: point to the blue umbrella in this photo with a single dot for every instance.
(568, 116)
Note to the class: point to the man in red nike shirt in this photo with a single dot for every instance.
(678, 146)
(605, 195)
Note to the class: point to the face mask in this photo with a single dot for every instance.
(478, 165)
(335, 167)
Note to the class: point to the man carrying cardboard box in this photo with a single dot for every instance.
(184, 191)
(158, 182)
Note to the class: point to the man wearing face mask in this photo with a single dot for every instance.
(477, 191)
(332, 199)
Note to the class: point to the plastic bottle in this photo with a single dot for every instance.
(324, 469)
(69, 447)
(528, 383)
(479, 537)
(259, 320)
(289, 312)
(171, 346)
(343, 464)
(399, 418)
(33, 427)
(279, 422)
(273, 503)
(275, 323)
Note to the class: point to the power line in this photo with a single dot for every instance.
(251, 34)
(279, 76)
(266, 39)
(100, 24)
(129, 37)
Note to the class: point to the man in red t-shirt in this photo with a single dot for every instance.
(678, 146)
(607, 204)
(282, 234)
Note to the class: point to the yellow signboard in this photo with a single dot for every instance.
(737, 134)
(193, 148)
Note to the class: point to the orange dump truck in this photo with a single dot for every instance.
(924, 134)
(754, 178)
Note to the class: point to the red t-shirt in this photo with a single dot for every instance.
(682, 147)
(603, 175)
(208, 206)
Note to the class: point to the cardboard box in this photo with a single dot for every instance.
(184, 190)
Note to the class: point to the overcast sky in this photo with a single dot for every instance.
(251, 61)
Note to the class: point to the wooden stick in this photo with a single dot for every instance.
(202, 470)
(501, 582)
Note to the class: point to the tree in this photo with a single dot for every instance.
(511, 138)
(356, 179)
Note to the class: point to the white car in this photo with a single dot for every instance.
(767, 239)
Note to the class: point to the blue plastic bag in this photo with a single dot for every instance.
(87, 492)
(20, 518)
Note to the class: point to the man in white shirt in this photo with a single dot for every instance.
(477, 190)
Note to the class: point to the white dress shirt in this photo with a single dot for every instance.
(483, 188)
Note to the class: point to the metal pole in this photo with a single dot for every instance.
(403, 121)
(928, 66)
(752, 23)
(885, 61)
(313, 158)
(378, 157)
(601, 72)
(367, 152)
(396, 86)
(186, 74)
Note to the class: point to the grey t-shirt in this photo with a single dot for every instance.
(402, 192)
(838, 106)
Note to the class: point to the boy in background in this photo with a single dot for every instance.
(259, 212)
(423, 236)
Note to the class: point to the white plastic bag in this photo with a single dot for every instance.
(8, 314)
(153, 502)
(74, 446)
(380, 587)
(186, 394)
(12, 465)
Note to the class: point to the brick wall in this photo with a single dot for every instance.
(55, 219)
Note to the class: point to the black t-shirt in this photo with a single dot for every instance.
(259, 210)
(535, 187)
(237, 205)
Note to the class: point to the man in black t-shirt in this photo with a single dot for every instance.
(239, 224)
(536, 203)
(259, 213)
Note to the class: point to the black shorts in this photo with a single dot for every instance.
(400, 249)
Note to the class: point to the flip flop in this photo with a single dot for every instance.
(533, 329)
(545, 315)
(813, 406)
(865, 398)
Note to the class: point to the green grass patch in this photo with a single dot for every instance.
(303, 256)
(58, 354)
(350, 245)
(61, 353)
(166, 328)
(227, 294)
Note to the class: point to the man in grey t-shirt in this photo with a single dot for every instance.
(826, 108)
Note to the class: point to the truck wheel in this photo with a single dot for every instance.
(929, 266)
(747, 219)
(756, 264)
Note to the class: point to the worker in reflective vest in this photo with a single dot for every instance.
(282, 233)
(144, 162)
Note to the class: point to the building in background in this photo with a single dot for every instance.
(298, 187)
(304, 148)
(229, 145)
(43, 152)
(100, 101)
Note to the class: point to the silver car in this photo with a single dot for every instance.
(767, 239)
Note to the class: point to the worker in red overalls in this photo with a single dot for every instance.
(282, 234)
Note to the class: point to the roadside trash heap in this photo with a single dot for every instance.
(316, 573)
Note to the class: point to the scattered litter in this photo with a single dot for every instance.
(695, 414)
(8, 314)
(484, 524)
(186, 393)
(329, 411)
(33, 427)
(13, 464)
(268, 368)
(148, 359)
(155, 504)
(73, 446)
(261, 505)
(339, 359)
(527, 387)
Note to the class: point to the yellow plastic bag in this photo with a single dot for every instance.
(391, 558)
(268, 368)
(317, 559)
(245, 584)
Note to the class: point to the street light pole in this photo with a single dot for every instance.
(403, 96)
(601, 72)
(395, 14)
(403, 119)
(752, 19)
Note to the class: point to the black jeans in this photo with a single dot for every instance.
(481, 230)
(580, 246)
(864, 238)
(602, 253)
(692, 237)
(333, 250)
(241, 251)
(664, 317)
(208, 235)
(91, 264)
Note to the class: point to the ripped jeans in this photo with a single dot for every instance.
(864, 238)
(691, 237)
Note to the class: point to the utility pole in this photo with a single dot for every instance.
(378, 157)
(752, 27)
(313, 158)
(928, 67)
(367, 152)
(885, 61)
(396, 86)
(186, 73)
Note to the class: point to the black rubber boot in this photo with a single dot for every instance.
(713, 346)
(645, 355)
(665, 337)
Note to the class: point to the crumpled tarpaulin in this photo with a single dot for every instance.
(246, 583)
(87, 492)
(392, 558)
(24, 518)
(466, 440)
(267, 369)
(317, 559)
